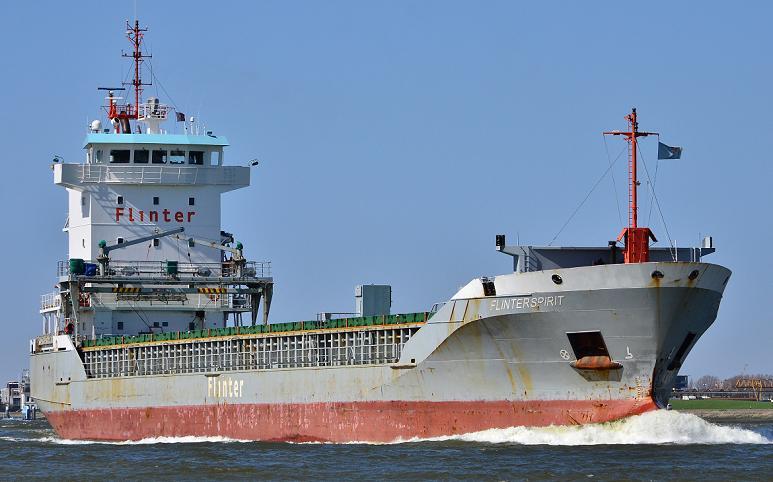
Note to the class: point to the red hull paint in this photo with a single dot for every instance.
(334, 422)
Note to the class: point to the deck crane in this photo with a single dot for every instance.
(103, 258)
(238, 256)
(262, 288)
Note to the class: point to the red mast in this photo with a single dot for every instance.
(135, 35)
(636, 238)
(120, 114)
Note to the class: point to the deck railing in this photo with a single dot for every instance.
(380, 345)
(177, 270)
(184, 174)
(50, 301)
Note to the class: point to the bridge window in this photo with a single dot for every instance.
(176, 157)
(141, 156)
(214, 158)
(159, 157)
(120, 156)
(98, 156)
(196, 157)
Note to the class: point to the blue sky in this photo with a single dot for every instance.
(397, 138)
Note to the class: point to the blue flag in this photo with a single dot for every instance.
(668, 152)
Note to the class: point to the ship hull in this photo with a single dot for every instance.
(480, 362)
(335, 422)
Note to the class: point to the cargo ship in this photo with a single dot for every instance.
(159, 325)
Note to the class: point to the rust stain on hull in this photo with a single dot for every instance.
(335, 421)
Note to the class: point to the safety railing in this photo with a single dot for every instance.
(50, 301)
(163, 299)
(153, 111)
(379, 345)
(227, 269)
(175, 174)
(178, 270)
(139, 174)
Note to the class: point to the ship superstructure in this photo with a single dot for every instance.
(160, 327)
(144, 233)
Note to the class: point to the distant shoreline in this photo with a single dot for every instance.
(739, 415)
(18, 416)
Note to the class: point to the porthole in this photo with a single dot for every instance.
(557, 279)
(657, 274)
(694, 274)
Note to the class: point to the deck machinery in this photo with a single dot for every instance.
(109, 298)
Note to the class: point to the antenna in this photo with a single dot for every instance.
(636, 238)
(120, 115)
(135, 35)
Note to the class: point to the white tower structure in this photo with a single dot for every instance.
(146, 251)
(134, 185)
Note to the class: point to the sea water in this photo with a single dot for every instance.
(654, 446)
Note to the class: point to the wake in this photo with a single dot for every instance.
(145, 441)
(651, 428)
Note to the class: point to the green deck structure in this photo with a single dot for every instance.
(298, 326)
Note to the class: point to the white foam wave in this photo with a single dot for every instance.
(145, 441)
(657, 427)
(14, 439)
